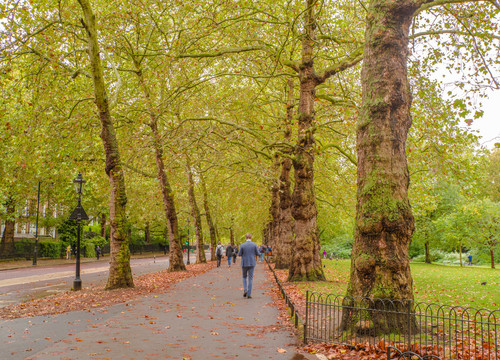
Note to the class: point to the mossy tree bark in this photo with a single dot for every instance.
(208, 216)
(176, 260)
(283, 252)
(120, 273)
(7, 244)
(274, 209)
(306, 262)
(195, 213)
(384, 221)
(103, 225)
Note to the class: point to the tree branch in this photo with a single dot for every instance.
(143, 173)
(61, 64)
(352, 60)
(348, 157)
(427, 4)
(220, 52)
(455, 32)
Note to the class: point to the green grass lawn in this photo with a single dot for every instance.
(451, 285)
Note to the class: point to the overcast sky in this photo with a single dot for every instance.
(489, 125)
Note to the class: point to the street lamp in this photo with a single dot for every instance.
(78, 214)
(36, 226)
(187, 222)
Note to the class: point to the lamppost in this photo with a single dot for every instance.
(36, 226)
(187, 222)
(78, 214)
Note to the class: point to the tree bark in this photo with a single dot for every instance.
(176, 260)
(120, 273)
(195, 213)
(384, 221)
(103, 225)
(274, 210)
(492, 257)
(208, 216)
(427, 253)
(147, 237)
(306, 263)
(7, 244)
(283, 250)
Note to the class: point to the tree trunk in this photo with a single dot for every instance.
(147, 238)
(195, 213)
(7, 244)
(120, 273)
(231, 235)
(213, 239)
(103, 225)
(460, 253)
(427, 253)
(283, 250)
(274, 209)
(176, 260)
(306, 263)
(492, 256)
(384, 222)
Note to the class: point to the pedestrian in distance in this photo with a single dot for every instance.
(229, 254)
(269, 252)
(324, 254)
(470, 259)
(235, 253)
(262, 250)
(219, 250)
(98, 251)
(248, 252)
(68, 252)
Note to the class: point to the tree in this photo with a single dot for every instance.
(384, 220)
(475, 223)
(120, 273)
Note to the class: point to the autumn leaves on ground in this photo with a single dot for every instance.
(96, 297)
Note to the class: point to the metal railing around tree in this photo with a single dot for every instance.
(431, 329)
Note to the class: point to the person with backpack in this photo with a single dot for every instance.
(229, 254)
(262, 251)
(219, 251)
(235, 253)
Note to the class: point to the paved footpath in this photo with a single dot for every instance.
(203, 317)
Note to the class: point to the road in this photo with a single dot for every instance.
(20, 285)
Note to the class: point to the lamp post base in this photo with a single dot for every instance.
(77, 284)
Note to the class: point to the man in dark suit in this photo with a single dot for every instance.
(248, 252)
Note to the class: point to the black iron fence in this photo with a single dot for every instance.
(294, 314)
(427, 329)
(139, 249)
(395, 353)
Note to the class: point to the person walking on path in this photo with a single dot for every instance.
(248, 252)
(235, 253)
(262, 250)
(219, 250)
(229, 254)
(98, 251)
(68, 252)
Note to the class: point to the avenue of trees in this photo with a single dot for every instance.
(302, 122)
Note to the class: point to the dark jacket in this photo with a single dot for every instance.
(229, 251)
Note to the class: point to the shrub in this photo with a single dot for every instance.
(68, 231)
(88, 245)
(49, 248)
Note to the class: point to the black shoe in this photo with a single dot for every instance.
(244, 294)
(249, 297)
